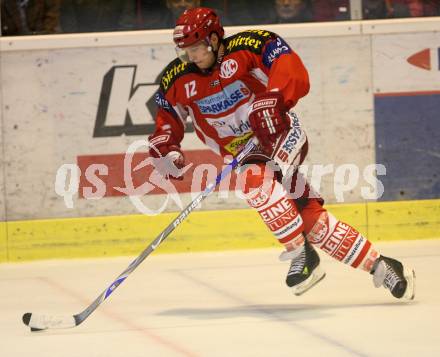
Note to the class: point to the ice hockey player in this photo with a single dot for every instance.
(242, 87)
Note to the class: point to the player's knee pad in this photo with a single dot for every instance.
(267, 195)
(341, 241)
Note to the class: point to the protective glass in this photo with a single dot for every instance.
(190, 53)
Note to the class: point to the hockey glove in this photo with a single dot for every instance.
(268, 119)
(170, 158)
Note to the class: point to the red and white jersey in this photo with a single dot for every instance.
(217, 100)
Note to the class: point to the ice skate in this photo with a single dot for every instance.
(391, 274)
(305, 270)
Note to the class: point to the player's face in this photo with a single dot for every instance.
(199, 53)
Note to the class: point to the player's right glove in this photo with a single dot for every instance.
(171, 161)
(279, 132)
(268, 119)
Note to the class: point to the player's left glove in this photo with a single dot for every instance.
(268, 119)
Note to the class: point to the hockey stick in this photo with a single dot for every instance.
(38, 322)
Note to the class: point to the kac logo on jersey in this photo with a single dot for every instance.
(228, 68)
(226, 99)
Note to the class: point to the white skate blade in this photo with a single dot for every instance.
(410, 291)
(317, 275)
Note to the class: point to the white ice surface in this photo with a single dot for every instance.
(221, 304)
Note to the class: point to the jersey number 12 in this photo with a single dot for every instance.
(190, 89)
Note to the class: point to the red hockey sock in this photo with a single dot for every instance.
(336, 238)
(280, 213)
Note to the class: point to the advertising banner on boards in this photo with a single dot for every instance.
(406, 70)
(71, 115)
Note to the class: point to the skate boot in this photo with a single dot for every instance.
(305, 270)
(391, 274)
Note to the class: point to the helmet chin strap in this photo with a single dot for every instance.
(220, 53)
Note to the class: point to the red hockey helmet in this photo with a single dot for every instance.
(195, 25)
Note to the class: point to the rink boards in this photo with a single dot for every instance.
(202, 231)
(82, 100)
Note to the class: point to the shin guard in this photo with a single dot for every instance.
(342, 242)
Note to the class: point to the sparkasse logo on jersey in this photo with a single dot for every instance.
(425, 59)
(223, 101)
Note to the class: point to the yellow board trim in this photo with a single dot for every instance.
(201, 231)
(3, 242)
(390, 221)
